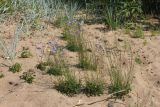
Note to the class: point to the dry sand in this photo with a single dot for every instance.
(16, 93)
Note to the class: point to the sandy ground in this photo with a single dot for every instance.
(16, 93)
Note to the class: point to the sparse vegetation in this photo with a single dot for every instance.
(86, 48)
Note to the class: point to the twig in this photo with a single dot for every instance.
(108, 97)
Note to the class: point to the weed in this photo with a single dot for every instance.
(54, 70)
(94, 87)
(26, 54)
(28, 76)
(15, 68)
(69, 85)
(41, 66)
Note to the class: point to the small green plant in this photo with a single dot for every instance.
(73, 45)
(53, 70)
(138, 60)
(138, 33)
(69, 85)
(26, 54)
(28, 76)
(41, 66)
(15, 68)
(94, 87)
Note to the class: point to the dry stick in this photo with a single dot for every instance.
(108, 97)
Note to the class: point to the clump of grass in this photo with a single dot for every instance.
(28, 76)
(15, 68)
(94, 87)
(87, 58)
(72, 33)
(74, 37)
(73, 44)
(119, 82)
(87, 61)
(41, 66)
(120, 69)
(58, 65)
(53, 70)
(68, 85)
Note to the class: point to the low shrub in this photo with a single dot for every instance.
(94, 87)
(69, 85)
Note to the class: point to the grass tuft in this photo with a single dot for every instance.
(94, 87)
(69, 85)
